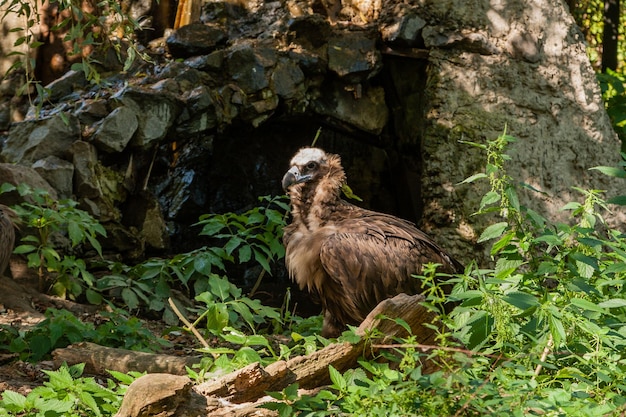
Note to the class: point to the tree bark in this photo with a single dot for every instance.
(99, 359)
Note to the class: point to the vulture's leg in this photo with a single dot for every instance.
(331, 327)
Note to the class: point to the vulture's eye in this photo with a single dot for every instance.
(311, 166)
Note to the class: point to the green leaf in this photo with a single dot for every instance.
(217, 318)
(211, 226)
(572, 205)
(337, 379)
(521, 300)
(244, 312)
(219, 287)
(235, 337)
(245, 253)
(23, 249)
(39, 345)
(511, 194)
(473, 178)
(619, 200)
(347, 191)
(587, 305)
(493, 231)
(557, 330)
(505, 267)
(130, 298)
(291, 392)
(233, 244)
(262, 260)
(202, 263)
(613, 303)
(90, 402)
(13, 401)
(490, 198)
(502, 243)
(550, 239)
(611, 171)
(255, 217)
(75, 232)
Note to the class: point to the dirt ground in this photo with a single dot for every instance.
(23, 306)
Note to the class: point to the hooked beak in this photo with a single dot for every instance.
(293, 177)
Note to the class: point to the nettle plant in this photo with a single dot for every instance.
(543, 332)
(68, 393)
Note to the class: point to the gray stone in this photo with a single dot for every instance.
(248, 65)
(287, 80)
(85, 159)
(144, 213)
(155, 111)
(122, 240)
(65, 85)
(364, 108)
(92, 111)
(354, 56)
(404, 31)
(210, 62)
(57, 172)
(543, 93)
(311, 31)
(195, 39)
(116, 130)
(36, 139)
(20, 174)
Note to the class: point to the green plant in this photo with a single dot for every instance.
(613, 85)
(66, 393)
(91, 30)
(252, 236)
(255, 233)
(225, 306)
(61, 328)
(66, 275)
(540, 333)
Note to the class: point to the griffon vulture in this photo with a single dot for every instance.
(348, 257)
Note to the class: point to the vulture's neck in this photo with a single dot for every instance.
(314, 204)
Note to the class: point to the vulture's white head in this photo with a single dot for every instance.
(308, 164)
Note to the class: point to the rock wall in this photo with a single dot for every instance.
(210, 124)
(523, 66)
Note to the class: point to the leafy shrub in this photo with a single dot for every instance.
(253, 236)
(91, 32)
(61, 328)
(256, 233)
(66, 275)
(613, 85)
(66, 393)
(224, 306)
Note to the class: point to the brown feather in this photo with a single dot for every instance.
(350, 257)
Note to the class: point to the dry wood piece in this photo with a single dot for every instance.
(240, 392)
(311, 371)
(98, 359)
(155, 393)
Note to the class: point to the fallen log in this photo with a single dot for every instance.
(311, 371)
(100, 359)
(240, 392)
